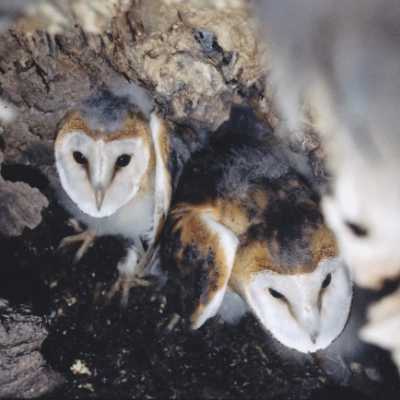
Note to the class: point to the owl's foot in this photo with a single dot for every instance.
(86, 237)
(131, 274)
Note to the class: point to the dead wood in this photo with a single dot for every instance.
(23, 371)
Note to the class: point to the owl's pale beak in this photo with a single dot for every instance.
(313, 330)
(310, 319)
(313, 336)
(99, 194)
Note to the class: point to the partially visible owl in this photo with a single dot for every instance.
(111, 158)
(343, 58)
(245, 231)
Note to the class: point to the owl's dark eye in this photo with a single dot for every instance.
(326, 282)
(356, 229)
(276, 294)
(123, 161)
(80, 158)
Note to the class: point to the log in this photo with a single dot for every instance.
(23, 371)
(20, 206)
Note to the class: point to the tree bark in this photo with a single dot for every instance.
(23, 371)
(196, 61)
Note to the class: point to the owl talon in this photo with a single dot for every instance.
(124, 284)
(75, 225)
(142, 269)
(87, 239)
(131, 274)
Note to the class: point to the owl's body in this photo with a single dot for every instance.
(130, 221)
(244, 221)
(111, 158)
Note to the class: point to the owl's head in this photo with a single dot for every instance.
(289, 272)
(304, 311)
(362, 209)
(101, 167)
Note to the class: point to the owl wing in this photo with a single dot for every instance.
(199, 251)
(163, 184)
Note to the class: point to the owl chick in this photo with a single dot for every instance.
(243, 221)
(111, 158)
(344, 59)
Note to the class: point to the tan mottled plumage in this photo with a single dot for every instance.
(244, 220)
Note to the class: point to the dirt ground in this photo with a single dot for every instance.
(147, 351)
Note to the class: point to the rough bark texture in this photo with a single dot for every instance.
(20, 206)
(197, 62)
(23, 371)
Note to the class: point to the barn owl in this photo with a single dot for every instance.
(111, 158)
(244, 222)
(343, 58)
